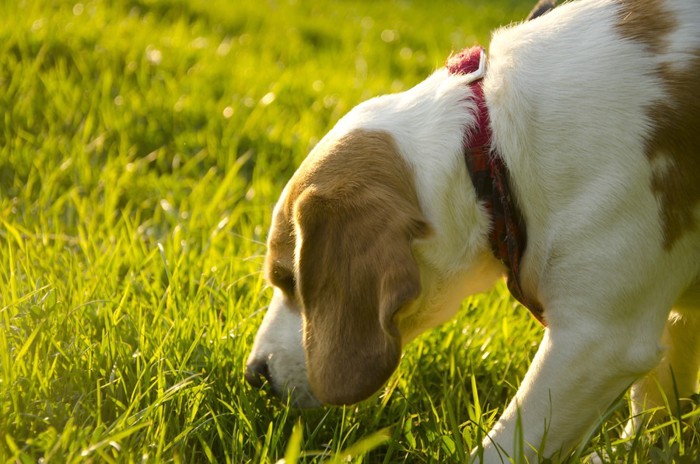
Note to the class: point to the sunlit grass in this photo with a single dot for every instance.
(142, 146)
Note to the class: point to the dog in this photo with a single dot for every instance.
(566, 159)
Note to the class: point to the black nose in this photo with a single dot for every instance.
(257, 372)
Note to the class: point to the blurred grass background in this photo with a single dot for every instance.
(142, 146)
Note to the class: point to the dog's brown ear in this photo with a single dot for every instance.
(542, 7)
(355, 270)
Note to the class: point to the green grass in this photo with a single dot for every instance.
(142, 146)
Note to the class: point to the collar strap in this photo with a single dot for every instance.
(508, 237)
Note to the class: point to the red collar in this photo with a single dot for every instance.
(490, 177)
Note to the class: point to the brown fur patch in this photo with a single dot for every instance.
(675, 139)
(354, 209)
(645, 21)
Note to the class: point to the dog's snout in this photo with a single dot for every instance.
(257, 372)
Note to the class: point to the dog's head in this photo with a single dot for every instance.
(339, 257)
(356, 266)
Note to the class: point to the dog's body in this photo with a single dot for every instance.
(595, 111)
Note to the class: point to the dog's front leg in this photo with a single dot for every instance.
(573, 378)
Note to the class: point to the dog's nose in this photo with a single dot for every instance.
(257, 372)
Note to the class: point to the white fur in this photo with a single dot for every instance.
(567, 98)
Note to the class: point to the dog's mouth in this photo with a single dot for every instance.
(301, 399)
(296, 397)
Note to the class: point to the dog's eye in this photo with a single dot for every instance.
(284, 280)
(288, 285)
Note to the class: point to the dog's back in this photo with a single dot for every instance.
(603, 97)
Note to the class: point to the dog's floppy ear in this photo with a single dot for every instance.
(542, 7)
(355, 271)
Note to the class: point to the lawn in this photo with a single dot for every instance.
(143, 144)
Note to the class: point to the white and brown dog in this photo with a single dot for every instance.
(582, 136)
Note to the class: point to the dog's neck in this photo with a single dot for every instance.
(490, 178)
